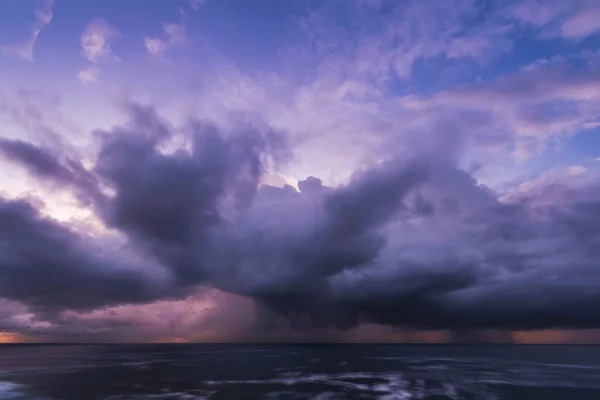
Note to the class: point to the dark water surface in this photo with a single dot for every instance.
(386, 372)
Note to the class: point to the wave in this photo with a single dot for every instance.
(16, 391)
(453, 380)
(380, 378)
(10, 390)
(164, 396)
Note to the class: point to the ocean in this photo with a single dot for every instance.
(236, 371)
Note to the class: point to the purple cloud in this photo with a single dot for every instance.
(405, 242)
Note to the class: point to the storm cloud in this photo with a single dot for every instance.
(49, 266)
(409, 241)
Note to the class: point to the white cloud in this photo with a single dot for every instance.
(419, 30)
(95, 40)
(156, 46)
(95, 46)
(574, 19)
(43, 16)
(553, 187)
(528, 107)
(582, 24)
(577, 170)
(408, 32)
(175, 35)
(88, 75)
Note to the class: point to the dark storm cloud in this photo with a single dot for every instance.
(366, 253)
(169, 202)
(413, 243)
(45, 164)
(38, 160)
(164, 203)
(284, 251)
(48, 266)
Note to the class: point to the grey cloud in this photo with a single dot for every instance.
(422, 205)
(409, 243)
(310, 185)
(164, 203)
(39, 161)
(46, 265)
(170, 202)
(485, 264)
(45, 164)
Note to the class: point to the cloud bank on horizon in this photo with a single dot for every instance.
(364, 170)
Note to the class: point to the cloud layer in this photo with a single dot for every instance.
(406, 242)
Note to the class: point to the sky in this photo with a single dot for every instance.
(307, 170)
